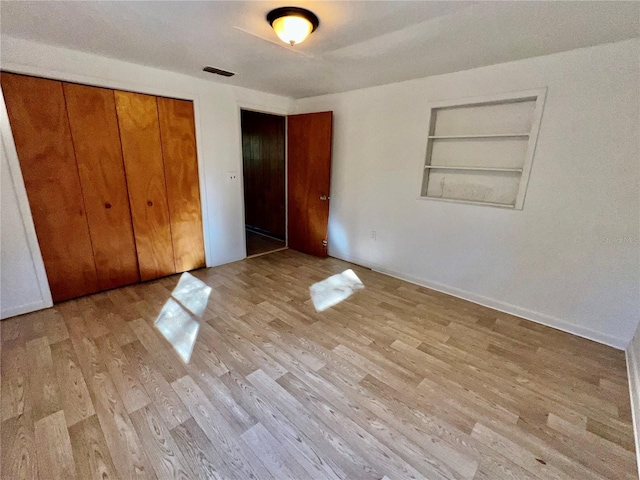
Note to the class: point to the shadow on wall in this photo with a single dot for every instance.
(338, 241)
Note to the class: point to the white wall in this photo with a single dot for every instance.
(570, 259)
(217, 110)
(633, 370)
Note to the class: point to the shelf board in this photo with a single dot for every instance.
(469, 202)
(480, 169)
(492, 135)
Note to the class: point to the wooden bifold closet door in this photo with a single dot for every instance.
(38, 117)
(94, 129)
(112, 181)
(178, 134)
(142, 150)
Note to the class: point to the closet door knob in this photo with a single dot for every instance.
(107, 205)
(150, 203)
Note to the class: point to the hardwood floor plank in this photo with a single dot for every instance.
(222, 436)
(277, 460)
(382, 458)
(94, 317)
(466, 400)
(604, 453)
(14, 381)
(164, 455)
(118, 327)
(199, 452)
(399, 378)
(441, 454)
(47, 324)
(206, 358)
(76, 401)
(420, 458)
(227, 353)
(538, 467)
(90, 451)
(122, 441)
(124, 378)
(19, 459)
(120, 435)
(318, 450)
(44, 395)
(430, 414)
(624, 439)
(221, 398)
(169, 406)
(166, 359)
(249, 350)
(53, 446)
(271, 339)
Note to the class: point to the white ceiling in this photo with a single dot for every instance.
(358, 44)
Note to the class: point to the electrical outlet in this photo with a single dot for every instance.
(232, 176)
(374, 235)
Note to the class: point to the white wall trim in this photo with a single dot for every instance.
(612, 341)
(27, 220)
(518, 95)
(633, 372)
(26, 308)
(259, 108)
(138, 88)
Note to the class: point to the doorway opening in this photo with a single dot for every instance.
(264, 178)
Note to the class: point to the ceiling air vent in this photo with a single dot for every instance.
(217, 71)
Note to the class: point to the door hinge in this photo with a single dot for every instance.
(324, 243)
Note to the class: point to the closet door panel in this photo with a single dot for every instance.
(142, 151)
(40, 126)
(181, 173)
(94, 129)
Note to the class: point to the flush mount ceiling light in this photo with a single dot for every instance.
(292, 24)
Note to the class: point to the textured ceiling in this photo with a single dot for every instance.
(358, 44)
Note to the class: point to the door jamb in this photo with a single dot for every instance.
(281, 113)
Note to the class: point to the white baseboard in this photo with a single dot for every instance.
(615, 342)
(633, 371)
(26, 308)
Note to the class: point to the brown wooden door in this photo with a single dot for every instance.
(177, 130)
(309, 175)
(38, 118)
(263, 153)
(142, 152)
(94, 128)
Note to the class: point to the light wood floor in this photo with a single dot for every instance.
(396, 382)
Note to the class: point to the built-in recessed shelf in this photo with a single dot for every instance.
(480, 150)
(492, 135)
(480, 169)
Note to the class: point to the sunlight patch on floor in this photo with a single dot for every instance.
(335, 289)
(192, 293)
(179, 327)
(178, 320)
